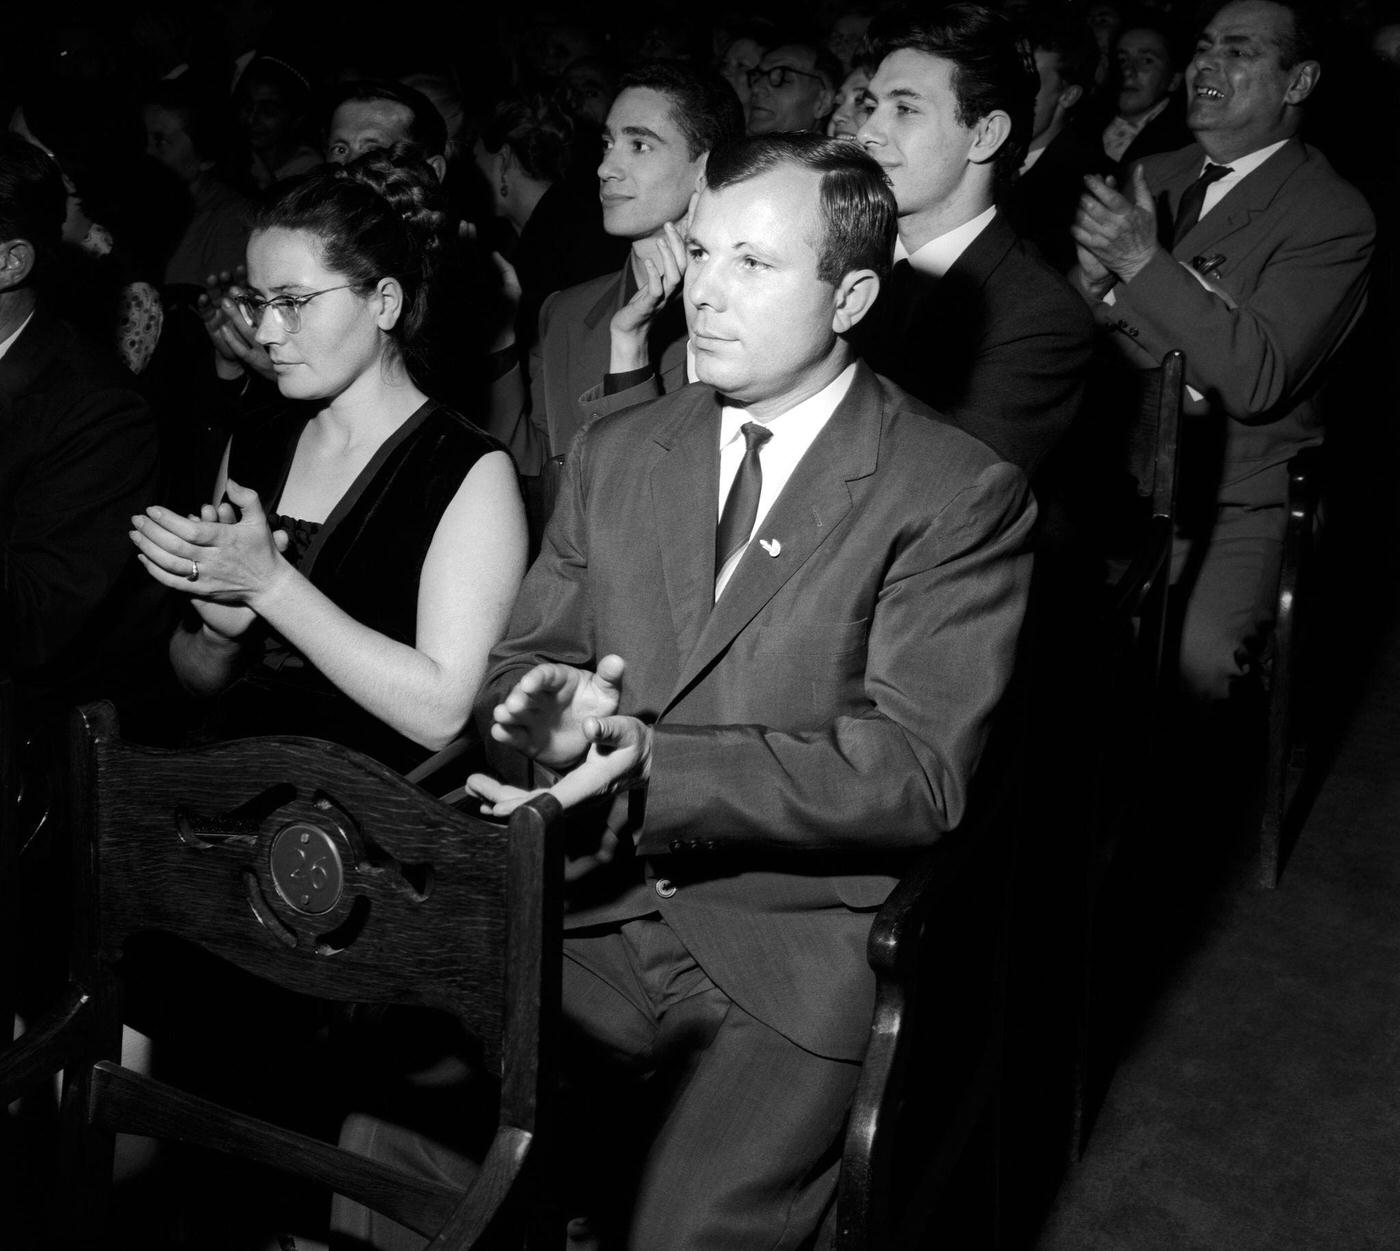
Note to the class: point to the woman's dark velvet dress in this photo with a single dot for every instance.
(367, 557)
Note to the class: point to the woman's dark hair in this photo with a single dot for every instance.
(383, 215)
(540, 135)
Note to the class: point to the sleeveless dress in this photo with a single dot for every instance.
(367, 557)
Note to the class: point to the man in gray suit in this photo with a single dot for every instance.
(1248, 253)
(773, 614)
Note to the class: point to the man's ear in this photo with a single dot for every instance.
(1071, 96)
(989, 134)
(1302, 81)
(1177, 79)
(826, 101)
(16, 263)
(439, 167)
(390, 292)
(855, 296)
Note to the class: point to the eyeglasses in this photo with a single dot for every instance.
(779, 75)
(287, 307)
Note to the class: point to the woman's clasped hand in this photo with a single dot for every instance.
(218, 556)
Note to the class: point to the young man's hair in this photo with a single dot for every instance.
(703, 106)
(993, 66)
(1170, 31)
(859, 216)
(1075, 50)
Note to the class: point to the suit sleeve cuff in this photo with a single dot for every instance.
(613, 384)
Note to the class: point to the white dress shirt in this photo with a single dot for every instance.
(1119, 134)
(937, 256)
(1239, 168)
(793, 433)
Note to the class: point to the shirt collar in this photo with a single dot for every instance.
(19, 330)
(1136, 124)
(814, 411)
(938, 255)
(1246, 164)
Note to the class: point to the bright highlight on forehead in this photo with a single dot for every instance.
(285, 260)
(775, 215)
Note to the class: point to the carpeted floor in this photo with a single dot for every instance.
(1257, 1105)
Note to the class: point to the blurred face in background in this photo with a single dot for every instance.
(846, 116)
(739, 58)
(588, 92)
(846, 34)
(169, 142)
(787, 93)
(268, 118)
(1145, 72)
(360, 126)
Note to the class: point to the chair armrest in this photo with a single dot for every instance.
(438, 761)
(1147, 564)
(47, 1047)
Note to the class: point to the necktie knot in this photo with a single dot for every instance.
(1193, 200)
(755, 436)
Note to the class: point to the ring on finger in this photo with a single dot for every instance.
(193, 575)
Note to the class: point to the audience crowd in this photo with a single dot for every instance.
(313, 336)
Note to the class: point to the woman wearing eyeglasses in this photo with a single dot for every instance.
(367, 542)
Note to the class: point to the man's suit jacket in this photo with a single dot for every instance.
(568, 364)
(1164, 133)
(999, 345)
(78, 457)
(1287, 249)
(1040, 205)
(826, 714)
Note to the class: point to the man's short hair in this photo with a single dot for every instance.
(33, 201)
(427, 129)
(1303, 43)
(703, 106)
(859, 216)
(1073, 45)
(1165, 27)
(993, 66)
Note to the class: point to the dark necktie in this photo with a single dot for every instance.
(741, 504)
(1188, 212)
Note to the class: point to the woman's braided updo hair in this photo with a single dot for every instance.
(383, 215)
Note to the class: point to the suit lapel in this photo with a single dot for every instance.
(983, 254)
(1253, 195)
(810, 508)
(611, 300)
(684, 495)
(28, 355)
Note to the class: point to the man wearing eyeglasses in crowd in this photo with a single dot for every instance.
(793, 88)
